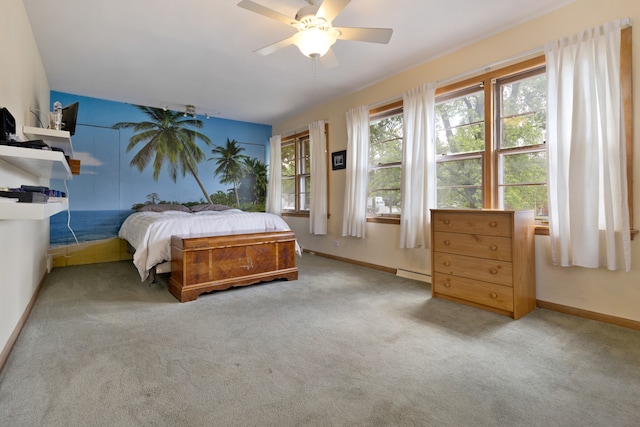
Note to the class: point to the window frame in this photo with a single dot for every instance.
(387, 110)
(489, 157)
(502, 153)
(297, 138)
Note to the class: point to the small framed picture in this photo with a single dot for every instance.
(339, 160)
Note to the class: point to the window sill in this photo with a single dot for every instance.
(384, 219)
(296, 214)
(543, 230)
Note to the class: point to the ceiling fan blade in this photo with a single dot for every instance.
(329, 9)
(267, 50)
(371, 35)
(329, 60)
(265, 11)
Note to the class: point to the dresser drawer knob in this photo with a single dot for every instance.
(493, 224)
(447, 284)
(447, 242)
(494, 295)
(447, 221)
(493, 247)
(446, 263)
(493, 271)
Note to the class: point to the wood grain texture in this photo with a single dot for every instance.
(484, 258)
(205, 263)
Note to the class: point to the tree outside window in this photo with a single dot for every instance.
(493, 157)
(385, 161)
(296, 174)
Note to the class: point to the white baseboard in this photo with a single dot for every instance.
(408, 274)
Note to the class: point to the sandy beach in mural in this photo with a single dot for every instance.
(95, 251)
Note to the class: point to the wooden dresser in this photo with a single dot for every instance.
(484, 258)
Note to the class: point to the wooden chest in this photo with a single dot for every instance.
(484, 259)
(205, 263)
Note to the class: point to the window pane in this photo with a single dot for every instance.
(524, 96)
(460, 124)
(459, 172)
(305, 194)
(383, 192)
(384, 152)
(527, 197)
(526, 168)
(305, 164)
(460, 198)
(288, 193)
(385, 136)
(288, 157)
(523, 116)
(460, 183)
(384, 179)
(383, 202)
(385, 159)
(386, 128)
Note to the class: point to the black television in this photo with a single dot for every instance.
(69, 118)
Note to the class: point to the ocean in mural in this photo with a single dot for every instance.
(87, 225)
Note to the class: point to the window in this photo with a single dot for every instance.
(490, 134)
(460, 141)
(296, 178)
(520, 133)
(385, 161)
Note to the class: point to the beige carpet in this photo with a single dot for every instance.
(342, 346)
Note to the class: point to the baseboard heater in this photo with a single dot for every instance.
(415, 275)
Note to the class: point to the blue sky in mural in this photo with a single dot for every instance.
(108, 182)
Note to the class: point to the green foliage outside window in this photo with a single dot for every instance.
(385, 160)
(523, 161)
(459, 126)
(521, 156)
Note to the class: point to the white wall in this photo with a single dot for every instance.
(601, 291)
(24, 243)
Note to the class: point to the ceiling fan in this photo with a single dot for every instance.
(315, 34)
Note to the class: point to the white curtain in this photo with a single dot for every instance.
(318, 202)
(355, 196)
(588, 206)
(274, 189)
(418, 166)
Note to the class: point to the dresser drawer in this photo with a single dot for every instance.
(487, 270)
(472, 290)
(473, 223)
(476, 245)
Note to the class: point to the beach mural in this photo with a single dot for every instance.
(121, 168)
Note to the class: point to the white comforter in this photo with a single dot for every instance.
(150, 232)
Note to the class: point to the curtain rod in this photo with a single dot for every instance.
(300, 129)
(485, 68)
(626, 22)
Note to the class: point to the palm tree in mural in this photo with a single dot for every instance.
(230, 164)
(257, 171)
(167, 139)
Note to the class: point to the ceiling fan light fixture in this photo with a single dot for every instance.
(315, 42)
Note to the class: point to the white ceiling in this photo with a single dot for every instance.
(200, 52)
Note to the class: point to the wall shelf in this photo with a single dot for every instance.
(54, 138)
(32, 210)
(42, 163)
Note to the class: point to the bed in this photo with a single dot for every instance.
(157, 232)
